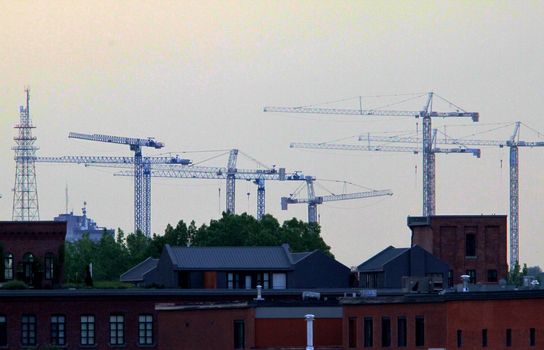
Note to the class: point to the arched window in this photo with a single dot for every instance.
(49, 266)
(28, 261)
(8, 266)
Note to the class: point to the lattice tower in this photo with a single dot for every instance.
(25, 192)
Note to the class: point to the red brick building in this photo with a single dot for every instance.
(254, 325)
(32, 252)
(471, 245)
(494, 320)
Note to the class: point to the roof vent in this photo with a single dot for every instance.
(465, 279)
(308, 295)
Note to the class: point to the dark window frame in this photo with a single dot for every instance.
(509, 337)
(402, 332)
(368, 332)
(29, 330)
(239, 334)
(58, 330)
(352, 332)
(3, 330)
(532, 337)
(28, 267)
(472, 276)
(8, 266)
(459, 338)
(420, 331)
(492, 275)
(470, 245)
(87, 330)
(117, 329)
(145, 329)
(49, 266)
(386, 332)
(484, 338)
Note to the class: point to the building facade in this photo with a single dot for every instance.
(32, 252)
(239, 268)
(471, 245)
(414, 269)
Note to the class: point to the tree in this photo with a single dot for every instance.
(113, 256)
(516, 274)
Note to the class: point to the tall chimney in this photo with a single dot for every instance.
(309, 331)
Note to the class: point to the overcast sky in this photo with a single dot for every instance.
(196, 75)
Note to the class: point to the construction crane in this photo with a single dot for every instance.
(142, 195)
(426, 114)
(231, 181)
(314, 200)
(230, 172)
(431, 165)
(146, 163)
(258, 176)
(513, 143)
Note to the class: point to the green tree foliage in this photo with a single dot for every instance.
(516, 274)
(112, 256)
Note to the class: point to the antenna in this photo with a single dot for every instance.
(66, 199)
(25, 192)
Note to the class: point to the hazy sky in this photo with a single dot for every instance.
(196, 75)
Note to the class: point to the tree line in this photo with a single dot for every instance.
(111, 256)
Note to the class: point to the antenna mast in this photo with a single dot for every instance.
(25, 192)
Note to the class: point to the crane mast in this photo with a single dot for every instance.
(513, 143)
(146, 162)
(142, 188)
(426, 113)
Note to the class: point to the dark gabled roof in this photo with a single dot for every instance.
(136, 274)
(230, 258)
(299, 256)
(377, 262)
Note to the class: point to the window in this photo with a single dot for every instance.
(491, 275)
(279, 281)
(28, 271)
(470, 244)
(86, 323)
(459, 338)
(145, 329)
(471, 276)
(386, 331)
(484, 338)
(509, 337)
(532, 337)
(8, 266)
(3, 331)
(58, 330)
(49, 266)
(28, 330)
(233, 280)
(239, 334)
(420, 331)
(117, 329)
(352, 332)
(184, 279)
(368, 332)
(401, 332)
(247, 283)
(263, 280)
(450, 278)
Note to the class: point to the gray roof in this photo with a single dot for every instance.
(136, 274)
(377, 262)
(230, 258)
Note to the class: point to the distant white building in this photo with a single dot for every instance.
(78, 225)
